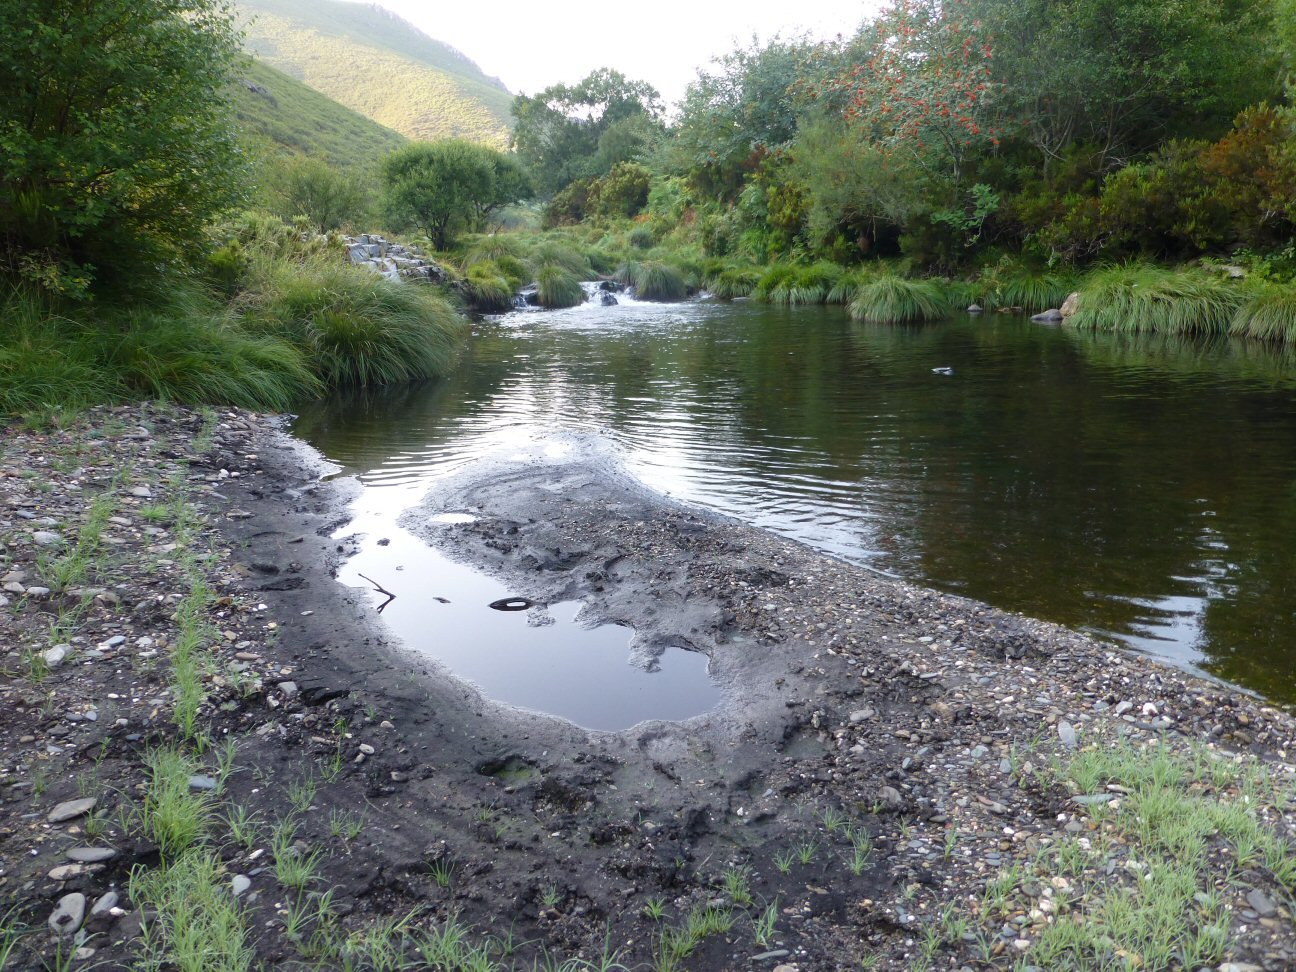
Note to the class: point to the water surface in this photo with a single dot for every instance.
(1140, 488)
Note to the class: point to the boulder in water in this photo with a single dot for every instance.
(1051, 316)
(607, 300)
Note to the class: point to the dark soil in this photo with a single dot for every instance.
(908, 715)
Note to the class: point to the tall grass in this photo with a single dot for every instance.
(487, 289)
(1270, 315)
(557, 286)
(355, 327)
(1140, 297)
(888, 299)
(792, 284)
(847, 285)
(182, 348)
(1011, 283)
(732, 282)
(653, 280)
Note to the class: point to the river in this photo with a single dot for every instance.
(1140, 488)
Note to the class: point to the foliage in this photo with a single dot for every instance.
(487, 289)
(1141, 297)
(559, 132)
(653, 280)
(355, 327)
(558, 287)
(328, 197)
(926, 87)
(112, 149)
(442, 187)
(1269, 316)
(180, 346)
(749, 106)
(381, 66)
(1120, 77)
(889, 299)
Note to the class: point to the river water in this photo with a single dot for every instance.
(1140, 488)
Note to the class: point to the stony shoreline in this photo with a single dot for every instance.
(895, 779)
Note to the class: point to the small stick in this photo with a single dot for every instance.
(381, 590)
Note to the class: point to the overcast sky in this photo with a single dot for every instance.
(531, 45)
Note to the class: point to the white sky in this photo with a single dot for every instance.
(531, 45)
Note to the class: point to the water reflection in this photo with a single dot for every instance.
(1142, 487)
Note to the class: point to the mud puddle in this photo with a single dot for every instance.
(544, 657)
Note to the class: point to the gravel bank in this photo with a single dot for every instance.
(896, 777)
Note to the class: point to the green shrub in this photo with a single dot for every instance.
(1010, 284)
(1140, 297)
(775, 283)
(558, 287)
(847, 285)
(641, 238)
(888, 299)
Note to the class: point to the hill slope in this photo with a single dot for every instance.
(381, 66)
(281, 116)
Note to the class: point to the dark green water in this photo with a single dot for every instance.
(1142, 489)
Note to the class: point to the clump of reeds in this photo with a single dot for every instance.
(557, 287)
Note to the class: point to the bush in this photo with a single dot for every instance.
(328, 197)
(1269, 316)
(116, 153)
(734, 282)
(888, 299)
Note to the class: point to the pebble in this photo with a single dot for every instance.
(141, 492)
(68, 914)
(240, 883)
(105, 904)
(66, 872)
(1258, 900)
(199, 782)
(289, 689)
(1067, 733)
(46, 538)
(71, 809)
(54, 656)
(860, 715)
(366, 749)
(91, 855)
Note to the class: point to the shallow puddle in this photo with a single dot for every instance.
(541, 659)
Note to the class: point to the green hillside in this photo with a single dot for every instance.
(279, 115)
(381, 66)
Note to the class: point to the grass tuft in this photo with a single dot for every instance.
(1139, 297)
(1269, 316)
(558, 287)
(654, 280)
(888, 299)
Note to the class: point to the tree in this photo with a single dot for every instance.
(442, 187)
(327, 196)
(557, 132)
(748, 107)
(1121, 76)
(115, 132)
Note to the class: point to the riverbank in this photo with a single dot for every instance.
(897, 777)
